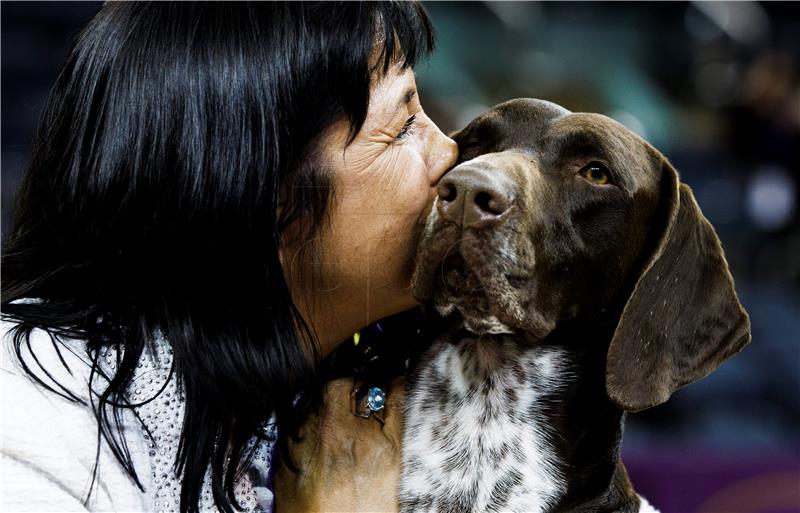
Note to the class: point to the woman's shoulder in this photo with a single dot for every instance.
(49, 439)
(40, 356)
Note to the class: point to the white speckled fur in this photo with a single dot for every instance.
(476, 376)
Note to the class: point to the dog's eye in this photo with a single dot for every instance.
(596, 172)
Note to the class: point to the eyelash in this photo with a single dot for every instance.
(406, 128)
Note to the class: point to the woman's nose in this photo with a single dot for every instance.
(442, 155)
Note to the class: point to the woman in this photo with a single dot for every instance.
(219, 194)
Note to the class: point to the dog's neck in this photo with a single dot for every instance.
(588, 427)
(500, 388)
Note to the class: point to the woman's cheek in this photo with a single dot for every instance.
(395, 184)
(419, 190)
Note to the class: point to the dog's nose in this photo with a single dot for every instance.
(474, 197)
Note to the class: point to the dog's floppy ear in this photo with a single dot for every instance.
(683, 318)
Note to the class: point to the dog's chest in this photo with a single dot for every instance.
(476, 437)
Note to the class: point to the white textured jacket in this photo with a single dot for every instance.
(49, 444)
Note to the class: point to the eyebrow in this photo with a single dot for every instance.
(407, 97)
(582, 143)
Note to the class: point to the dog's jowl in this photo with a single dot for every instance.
(579, 281)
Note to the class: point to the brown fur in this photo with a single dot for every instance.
(644, 254)
(624, 284)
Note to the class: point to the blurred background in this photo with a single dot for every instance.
(714, 86)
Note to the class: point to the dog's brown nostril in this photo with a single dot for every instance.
(473, 197)
(489, 203)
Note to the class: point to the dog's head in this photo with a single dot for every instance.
(552, 216)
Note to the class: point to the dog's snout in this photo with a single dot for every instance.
(474, 197)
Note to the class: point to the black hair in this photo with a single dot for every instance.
(155, 200)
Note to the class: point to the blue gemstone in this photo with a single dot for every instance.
(376, 398)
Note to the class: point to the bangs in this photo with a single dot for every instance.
(388, 33)
(403, 35)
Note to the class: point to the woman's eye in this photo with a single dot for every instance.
(596, 172)
(406, 128)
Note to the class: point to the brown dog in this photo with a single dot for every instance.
(581, 281)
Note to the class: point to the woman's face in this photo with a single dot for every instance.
(384, 183)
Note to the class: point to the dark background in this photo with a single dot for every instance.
(714, 86)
